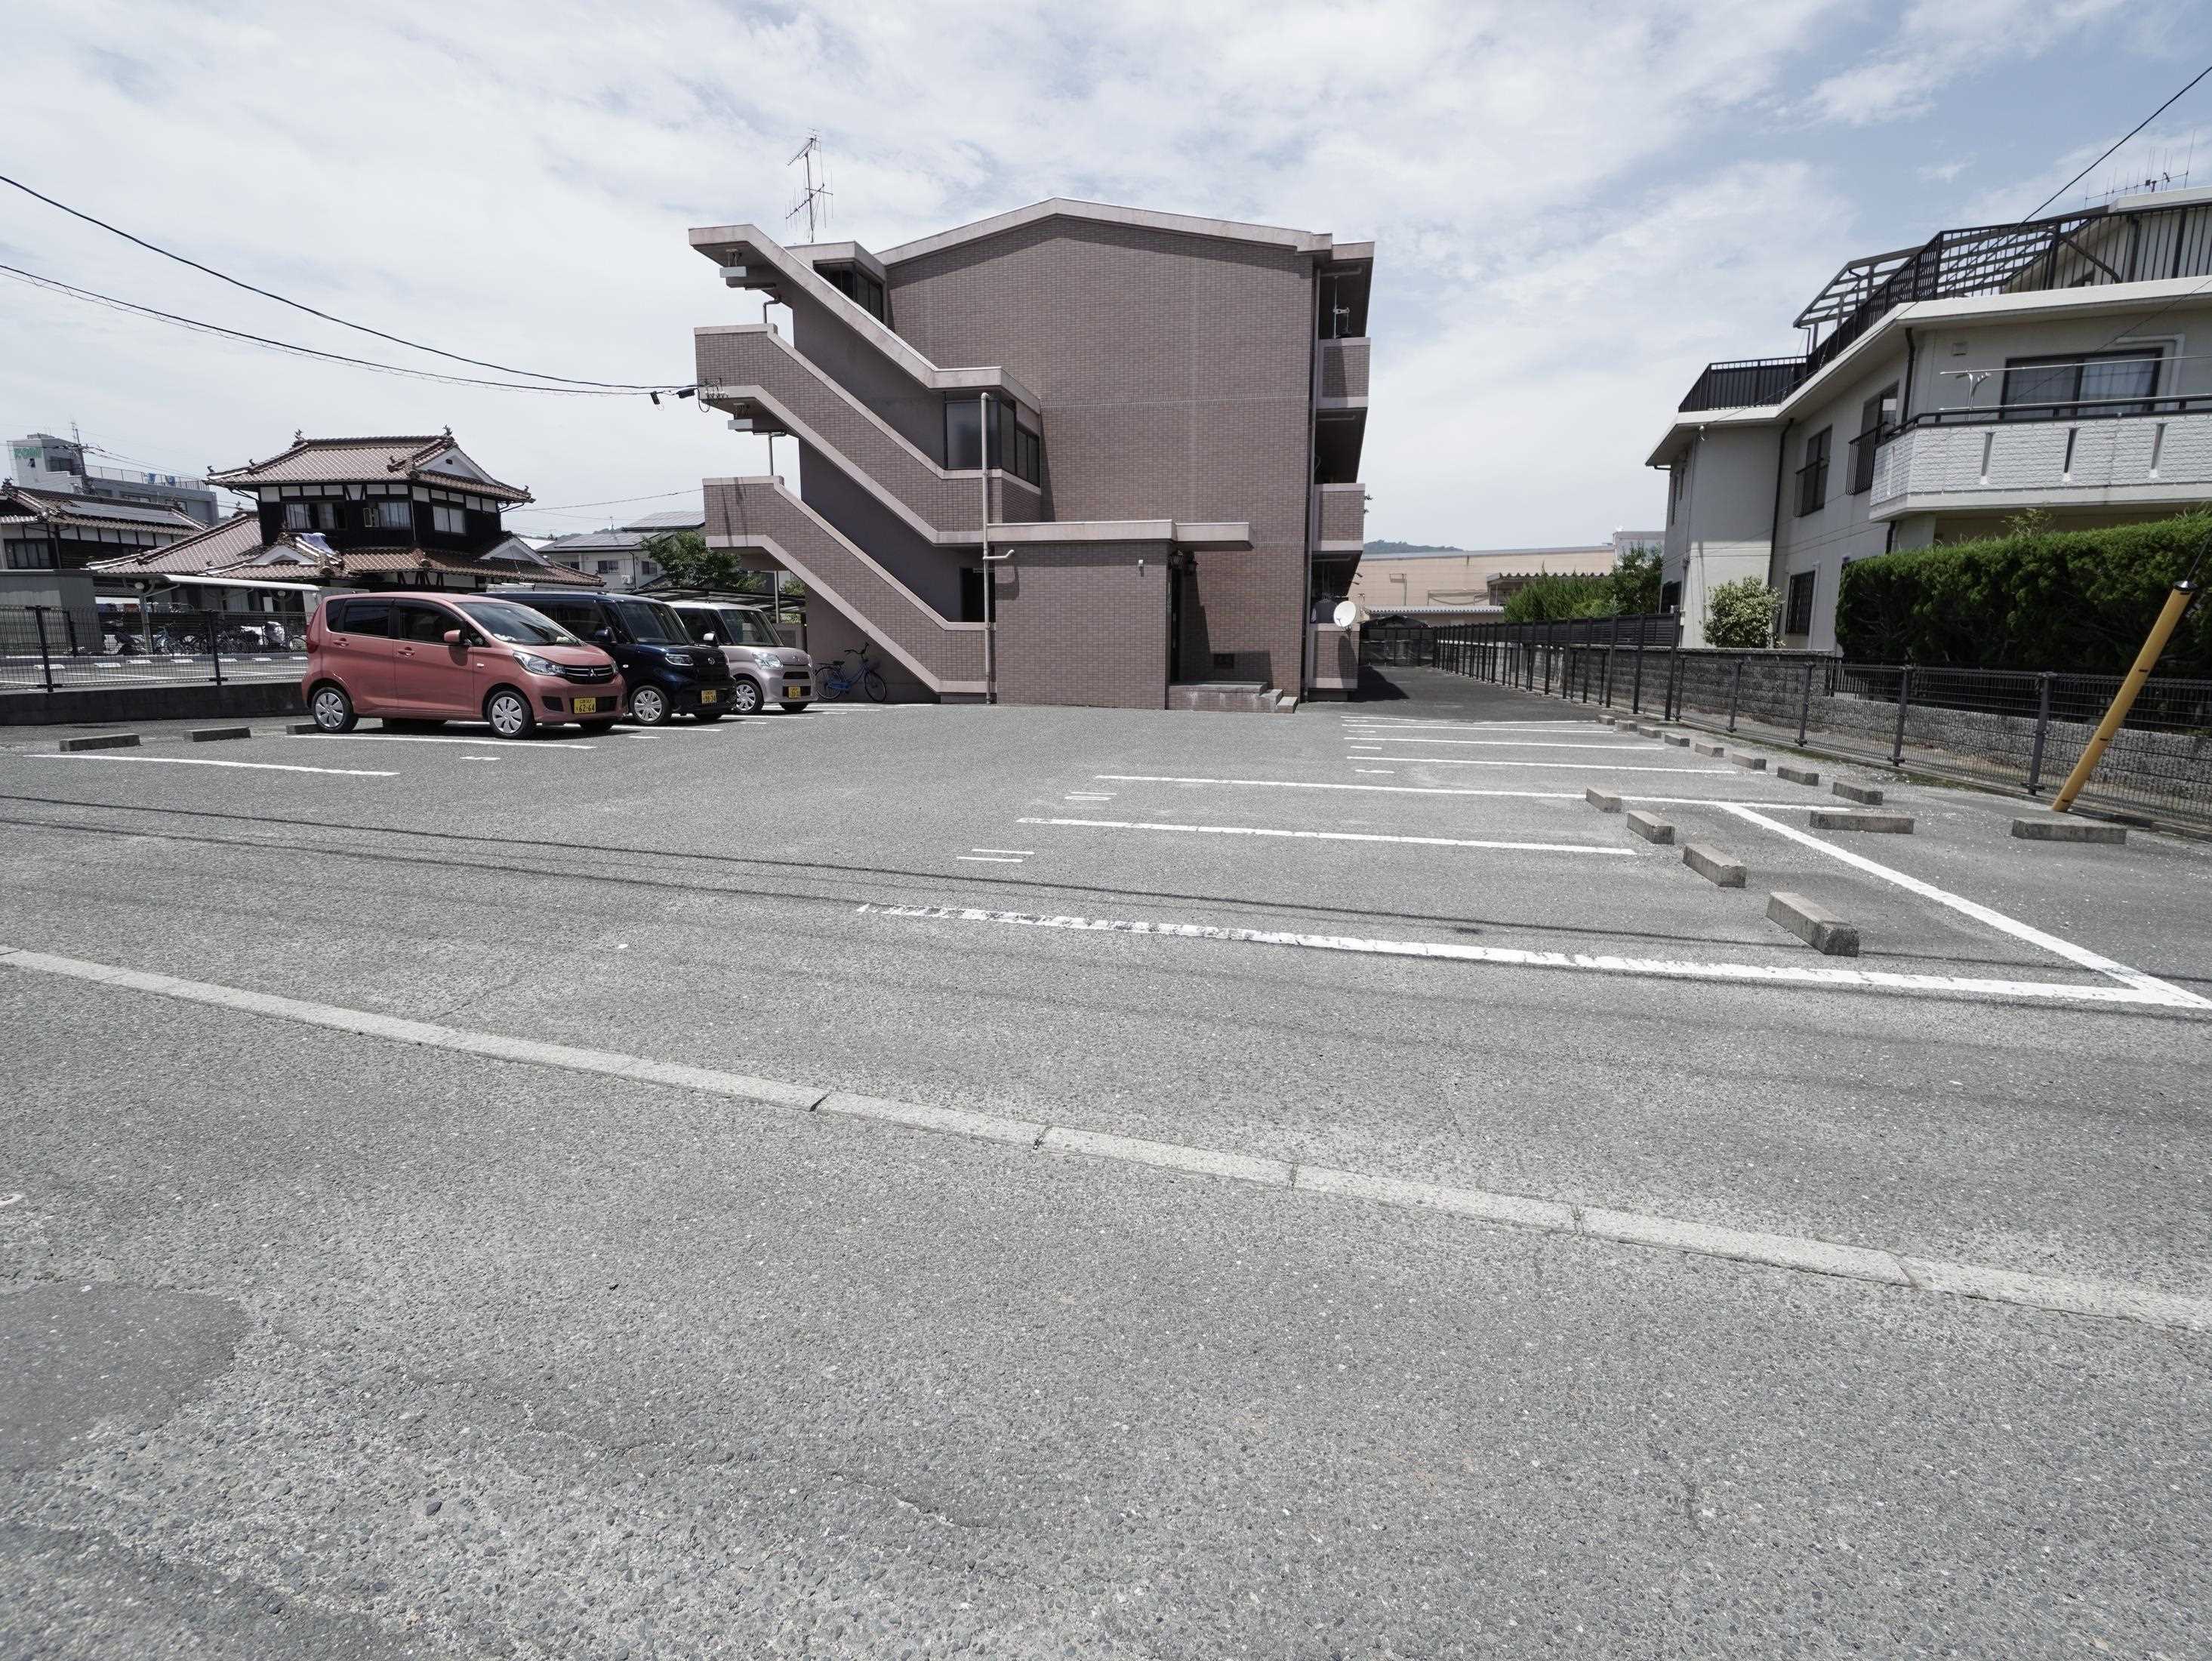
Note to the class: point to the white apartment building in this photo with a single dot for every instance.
(2062, 364)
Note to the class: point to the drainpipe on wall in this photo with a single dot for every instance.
(1774, 531)
(990, 628)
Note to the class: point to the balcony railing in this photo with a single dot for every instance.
(1745, 383)
(1344, 370)
(2109, 452)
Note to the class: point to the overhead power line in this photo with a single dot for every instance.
(200, 326)
(300, 306)
(2123, 138)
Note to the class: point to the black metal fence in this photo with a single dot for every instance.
(2009, 728)
(48, 649)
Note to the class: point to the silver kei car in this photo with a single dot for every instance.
(763, 671)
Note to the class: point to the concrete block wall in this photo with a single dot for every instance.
(1084, 624)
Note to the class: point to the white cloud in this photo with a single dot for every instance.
(512, 178)
(1943, 41)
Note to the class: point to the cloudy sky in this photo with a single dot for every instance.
(1575, 205)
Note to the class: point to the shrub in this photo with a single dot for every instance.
(1543, 598)
(1635, 580)
(1740, 614)
(2079, 601)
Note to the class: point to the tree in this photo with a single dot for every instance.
(686, 561)
(1740, 614)
(1542, 599)
(1635, 580)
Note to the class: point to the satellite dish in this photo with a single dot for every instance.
(1349, 612)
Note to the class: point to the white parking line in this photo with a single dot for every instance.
(1796, 1253)
(1340, 836)
(426, 738)
(1512, 744)
(1601, 766)
(1372, 722)
(202, 761)
(1023, 852)
(1447, 790)
(983, 859)
(2150, 985)
(1801, 976)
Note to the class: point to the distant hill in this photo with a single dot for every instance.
(1385, 546)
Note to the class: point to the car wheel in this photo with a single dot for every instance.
(510, 713)
(745, 698)
(596, 729)
(793, 709)
(333, 710)
(649, 707)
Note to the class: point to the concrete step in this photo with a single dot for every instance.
(1250, 697)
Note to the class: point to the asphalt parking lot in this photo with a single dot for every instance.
(698, 1372)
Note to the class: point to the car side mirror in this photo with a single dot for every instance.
(707, 639)
(451, 638)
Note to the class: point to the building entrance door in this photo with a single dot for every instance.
(1178, 573)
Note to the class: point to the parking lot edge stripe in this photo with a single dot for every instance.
(2153, 988)
(210, 761)
(1338, 836)
(1933, 1276)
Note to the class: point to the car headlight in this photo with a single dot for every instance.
(537, 666)
(768, 660)
(681, 659)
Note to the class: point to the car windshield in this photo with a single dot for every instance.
(651, 621)
(745, 628)
(518, 625)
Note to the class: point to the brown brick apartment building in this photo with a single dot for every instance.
(1143, 429)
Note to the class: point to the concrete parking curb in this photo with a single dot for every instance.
(1755, 763)
(2053, 827)
(1650, 827)
(1817, 926)
(1604, 800)
(1679, 740)
(1796, 775)
(1867, 795)
(1846, 819)
(1715, 867)
(1643, 1230)
(1699, 747)
(101, 741)
(211, 734)
(298, 726)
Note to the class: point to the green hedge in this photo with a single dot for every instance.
(2070, 600)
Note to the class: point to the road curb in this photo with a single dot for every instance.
(2052, 827)
(101, 741)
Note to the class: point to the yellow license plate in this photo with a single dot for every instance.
(584, 706)
(710, 696)
(792, 694)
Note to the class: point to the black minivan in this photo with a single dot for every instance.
(667, 672)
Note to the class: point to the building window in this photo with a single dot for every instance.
(1014, 448)
(295, 516)
(862, 289)
(2080, 384)
(448, 521)
(390, 514)
(30, 555)
(1797, 619)
(1875, 417)
(1670, 596)
(1812, 476)
(606, 567)
(964, 434)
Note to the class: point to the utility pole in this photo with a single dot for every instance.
(808, 160)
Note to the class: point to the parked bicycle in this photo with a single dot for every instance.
(838, 678)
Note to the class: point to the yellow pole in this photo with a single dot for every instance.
(2169, 619)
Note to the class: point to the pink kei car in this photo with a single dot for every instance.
(453, 657)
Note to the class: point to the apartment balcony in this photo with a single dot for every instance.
(1744, 384)
(1340, 519)
(1343, 373)
(2059, 456)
